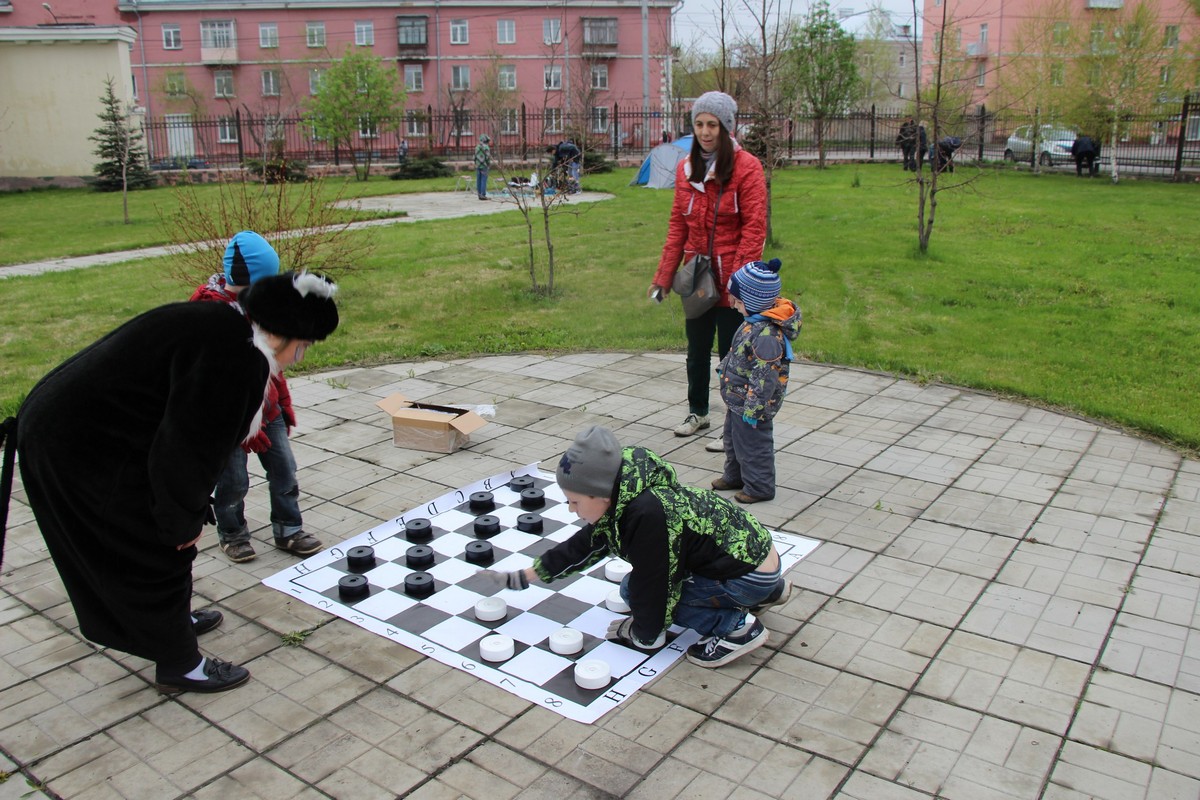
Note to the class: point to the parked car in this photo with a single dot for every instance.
(1054, 145)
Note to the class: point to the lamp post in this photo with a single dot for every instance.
(50, 11)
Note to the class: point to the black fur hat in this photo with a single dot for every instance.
(294, 305)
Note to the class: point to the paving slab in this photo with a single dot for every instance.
(1003, 606)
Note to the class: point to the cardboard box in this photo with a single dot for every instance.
(421, 426)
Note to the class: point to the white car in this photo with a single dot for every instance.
(1054, 145)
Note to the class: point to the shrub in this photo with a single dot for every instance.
(424, 167)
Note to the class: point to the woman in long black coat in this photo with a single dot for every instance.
(120, 447)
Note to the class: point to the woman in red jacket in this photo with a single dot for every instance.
(718, 182)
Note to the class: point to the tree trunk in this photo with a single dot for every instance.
(1112, 147)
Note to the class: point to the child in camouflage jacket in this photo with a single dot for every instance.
(754, 376)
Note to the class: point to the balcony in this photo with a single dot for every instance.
(599, 37)
(1105, 4)
(977, 50)
(412, 51)
(219, 55)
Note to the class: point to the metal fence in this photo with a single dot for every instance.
(1165, 142)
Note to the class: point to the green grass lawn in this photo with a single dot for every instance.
(1073, 293)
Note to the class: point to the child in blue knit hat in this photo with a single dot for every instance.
(248, 258)
(754, 376)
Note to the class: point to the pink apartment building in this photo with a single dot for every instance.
(986, 31)
(561, 66)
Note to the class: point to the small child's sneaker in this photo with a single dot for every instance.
(302, 544)
(713, 652)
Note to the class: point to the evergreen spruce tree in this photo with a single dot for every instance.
(122, 163)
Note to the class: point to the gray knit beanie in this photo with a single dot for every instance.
(591, 463)
(720, 105)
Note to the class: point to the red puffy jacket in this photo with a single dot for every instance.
(741, 220)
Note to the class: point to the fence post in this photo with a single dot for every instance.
(1183, 121)
(872, 131)
(524, 134)
(237, 121)
(982, 128)
(791, 136)
(616, 137)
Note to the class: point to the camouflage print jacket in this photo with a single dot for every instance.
(667, 532)
(754, 374)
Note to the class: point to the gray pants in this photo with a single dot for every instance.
(750, 455)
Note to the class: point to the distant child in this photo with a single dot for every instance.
(698, 560)
(754, 376)
(249, 257)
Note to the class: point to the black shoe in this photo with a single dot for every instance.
(205, 620)
(220, 676)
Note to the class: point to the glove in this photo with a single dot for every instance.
(506, 580)
(621, 632)
(258, 443)
(749, 420)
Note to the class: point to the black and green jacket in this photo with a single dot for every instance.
(667, 532)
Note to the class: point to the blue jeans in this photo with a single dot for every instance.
(481, 182)
(716, 608)
(234, 483)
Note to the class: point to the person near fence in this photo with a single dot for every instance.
(483, 161)
(120, 446)
(754, 378)
(720, 197)
(1086, 152)
(248, 258)
(402, 153)
(906, 140)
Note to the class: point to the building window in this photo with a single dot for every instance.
(1058, 73)
(460, 79)
(217, 34)
(551, 31)
(506, 78)
(174, 84)
(227, 132)
(1097, 37)
(980, 73)
(272, 128)
(172, 37)
(599, 119)
(414, 78)
(1062, 33)
(600, 76)
(314, 34)
(1171, 36)
(1166, 75)
(600, 30)
(552, 120)
(270, 83)
(414, 124)
(900, 90)
(315, 77)
(223, 83)
(268, 35)
(510, 121)
(553, 76)
(364, 33)
(900, 60)
(983, 30)
(458, 32)
(368, 128)
(411, 31)
(506, 31)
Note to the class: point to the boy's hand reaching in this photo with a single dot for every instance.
(505, 580)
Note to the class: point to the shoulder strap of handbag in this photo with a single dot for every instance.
(712, 234)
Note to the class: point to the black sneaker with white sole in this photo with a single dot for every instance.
(716, 652)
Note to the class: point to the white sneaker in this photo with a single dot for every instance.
(692, 425)
(717, 445)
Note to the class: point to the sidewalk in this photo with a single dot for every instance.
(1004, 605)
(417, 207)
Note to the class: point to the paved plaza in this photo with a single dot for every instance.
(1003, 605)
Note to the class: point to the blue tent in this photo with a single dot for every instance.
(658, 170)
